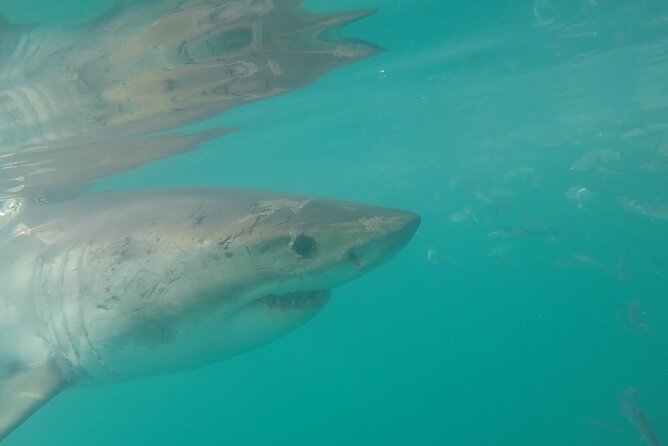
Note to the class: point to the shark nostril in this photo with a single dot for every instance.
(304, 245)
(352, 257)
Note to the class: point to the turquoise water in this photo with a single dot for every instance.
(532, 137)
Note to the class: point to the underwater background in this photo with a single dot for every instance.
(532, 305)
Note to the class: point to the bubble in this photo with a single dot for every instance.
(580, 195)
(9, 208)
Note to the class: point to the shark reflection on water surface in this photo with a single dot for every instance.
(116, 286)
(90, 94)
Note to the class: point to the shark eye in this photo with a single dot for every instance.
(304, 245)
(231, 40)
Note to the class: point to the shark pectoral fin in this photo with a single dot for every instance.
(25, 391)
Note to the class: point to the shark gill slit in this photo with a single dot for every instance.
(47, 112)
(64, 295)
(44, 299)
(80, 305)
(8, 116)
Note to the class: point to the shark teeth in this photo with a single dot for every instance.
(296, 299)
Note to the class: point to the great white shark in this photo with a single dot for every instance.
(117, 286)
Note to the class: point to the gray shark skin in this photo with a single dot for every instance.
(117, 286)
(94, 92)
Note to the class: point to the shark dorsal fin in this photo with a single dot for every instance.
(25, 391)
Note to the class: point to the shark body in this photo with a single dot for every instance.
(118, 286)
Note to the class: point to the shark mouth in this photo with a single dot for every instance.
(298, 300)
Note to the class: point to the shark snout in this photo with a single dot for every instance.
(390, 233)
(400, 228)
(408, 223)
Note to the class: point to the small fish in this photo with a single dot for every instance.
(629, 407)
(520, 171)
(519, 233)
(434, 257)
(634, 134)
(498, 255)
(601, 425)
(622, 270)
(658, 210)
(494, 197)
(595, 159)
(589, 261)
(463, 215)
(637, 316)
(660, 167)
(644, 132)
(484, 197)
(580, 260)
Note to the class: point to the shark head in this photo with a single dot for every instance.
(311, 244)
(161, 281)
(205, 57)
